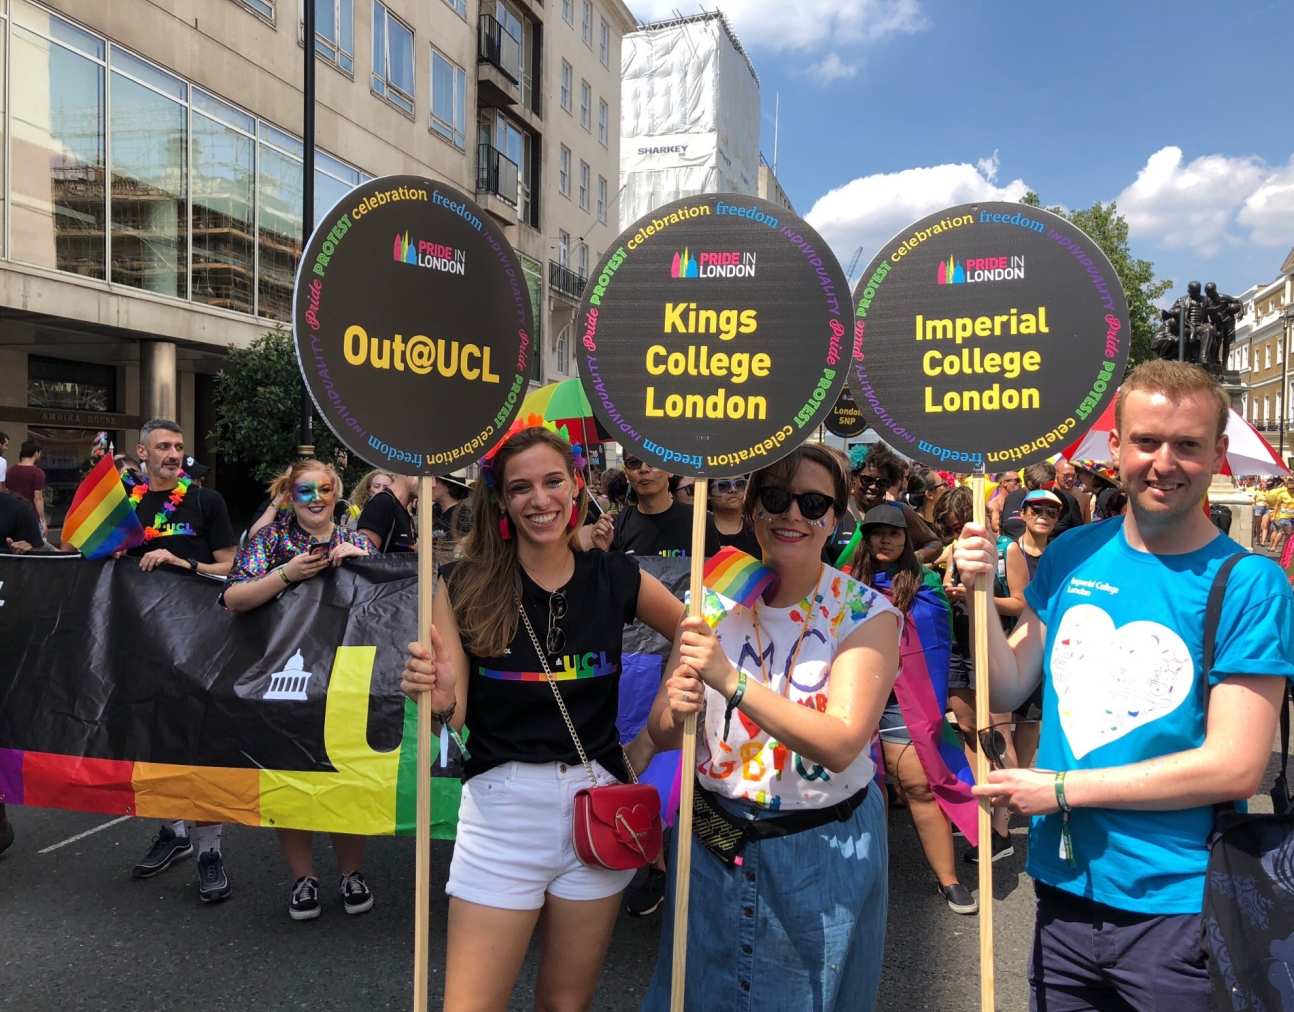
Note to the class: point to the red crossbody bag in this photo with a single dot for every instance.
(616, 826)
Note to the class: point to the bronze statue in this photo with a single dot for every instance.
(1199, 327)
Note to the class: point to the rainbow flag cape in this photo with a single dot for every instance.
(102, 519)
(922, 691)
(732, 578)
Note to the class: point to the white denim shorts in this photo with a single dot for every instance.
(513, 844)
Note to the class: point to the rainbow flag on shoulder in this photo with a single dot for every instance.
(102, 519)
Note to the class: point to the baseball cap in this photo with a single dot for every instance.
(194, 470)
(885, 514)
(1042, 495)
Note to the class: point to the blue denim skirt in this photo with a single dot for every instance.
(800, 924)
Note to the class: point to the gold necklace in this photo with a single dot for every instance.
(765, 672)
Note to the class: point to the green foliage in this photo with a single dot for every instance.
(258, 405)
(1109, 230)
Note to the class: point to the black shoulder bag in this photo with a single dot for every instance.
(1249, 889)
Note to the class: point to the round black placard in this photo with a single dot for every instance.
(991, 335)
(846, 418)
(412, 322)
(713, 336)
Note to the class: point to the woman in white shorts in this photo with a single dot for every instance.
(513, 856)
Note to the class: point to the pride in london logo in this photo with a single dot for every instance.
(977, 270)
(712, 264)
(431, 255)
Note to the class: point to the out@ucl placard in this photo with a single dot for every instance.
(846, 418)
(991, 335)
(412, 323)
(713, 335)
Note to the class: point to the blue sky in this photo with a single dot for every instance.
(891, 110)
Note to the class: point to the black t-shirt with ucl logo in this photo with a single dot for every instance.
(199, 526)
(511, 711)
(667, 533)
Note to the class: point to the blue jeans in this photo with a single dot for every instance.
(799, 924)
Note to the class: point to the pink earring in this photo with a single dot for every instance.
(575, 515)
(505, 529)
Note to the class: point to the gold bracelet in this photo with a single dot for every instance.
(283, 575)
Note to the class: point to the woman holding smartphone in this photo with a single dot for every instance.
(299, 546)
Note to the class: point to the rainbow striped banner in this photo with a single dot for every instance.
(102, 519)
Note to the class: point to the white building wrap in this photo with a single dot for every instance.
(689, 115)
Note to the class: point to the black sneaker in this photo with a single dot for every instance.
(959, 899)
(167, 848)
(646, 893)
(304, 905)
(356, 896)
(1002, 847)
(213, 883)
(6, 832)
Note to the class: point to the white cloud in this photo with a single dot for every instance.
(870, 210)
(832, 68)
(810, 27)
(1269, 211)
(1210, 203)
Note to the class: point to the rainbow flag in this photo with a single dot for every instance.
(731, 578)
(102, 519)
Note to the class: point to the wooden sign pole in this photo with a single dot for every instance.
(422, 866)
(979, 602)
(687, 766)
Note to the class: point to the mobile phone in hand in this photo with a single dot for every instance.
(318, 548)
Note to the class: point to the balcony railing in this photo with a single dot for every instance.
(496, 173)
(565, 280)
(499, 48)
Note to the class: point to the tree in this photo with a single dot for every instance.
(258, 408)
(1109, 230)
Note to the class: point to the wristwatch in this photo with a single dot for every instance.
(193, 565)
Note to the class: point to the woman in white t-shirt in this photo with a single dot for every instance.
(789, 858)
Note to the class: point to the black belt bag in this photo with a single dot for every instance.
(725, 835)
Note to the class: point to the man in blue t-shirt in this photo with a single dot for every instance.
(1137, 743)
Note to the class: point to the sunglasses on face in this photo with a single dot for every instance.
(813, 505)
(634, 464)
(724, 486)
(1051, 512)
(684, 490)
(865, 482)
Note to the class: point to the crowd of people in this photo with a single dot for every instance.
(809, 703)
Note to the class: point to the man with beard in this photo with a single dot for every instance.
(187, 527)
(1138, 740)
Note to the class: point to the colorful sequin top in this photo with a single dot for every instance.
(281, 540)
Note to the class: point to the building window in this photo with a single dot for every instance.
(586, 105)
(148, 186)
(448, 99)
(582, 260)
(564, 171)
(279, 227)
(586, 24)
(333, 180)
(604, 42)
(392, 58)
(460, 7)
(58, 187)
(604, 115)
(563, 349)
(568, 12)
(584, 186)
(564, 248)
(334, 31)
(602, 200)
(265, 8)
(222, 205)
(568, 75)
